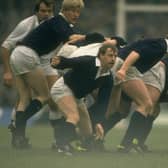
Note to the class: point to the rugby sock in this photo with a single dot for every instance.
(148, 128)
(111, 122)
(67, 133)
(88, 143)
(34, 106)
(135, 128)
(57, 124)
(21, 117)
(20, 123)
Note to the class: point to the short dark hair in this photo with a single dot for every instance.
(104, 47)
(46, 2)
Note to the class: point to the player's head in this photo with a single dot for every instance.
(72, 9)
(44, 9)
(107, 55)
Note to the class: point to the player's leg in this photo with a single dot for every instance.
(66, 102)
(55, 115)
(85, 126)
(154, 80)
(30, 80)
(154, 94)
(138, 92)
(18, 136)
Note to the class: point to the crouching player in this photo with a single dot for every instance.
(87, 74)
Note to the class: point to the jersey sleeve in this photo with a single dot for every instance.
(20, 31)
(74, 63)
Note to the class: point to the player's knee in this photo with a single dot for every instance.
(148, 106)
(44, 99)
(76, 118)
(73, 117)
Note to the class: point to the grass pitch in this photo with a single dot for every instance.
(41, 156)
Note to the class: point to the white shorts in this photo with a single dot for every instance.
(155, 77)
(23, 60)
(45, 64)
(60, 89)
(132, 74)
(47, 68)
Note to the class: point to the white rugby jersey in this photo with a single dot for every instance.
(90, 49)
(20, 31)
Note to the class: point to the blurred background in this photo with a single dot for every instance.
(127, 18)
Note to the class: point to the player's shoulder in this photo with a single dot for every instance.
(28, 20)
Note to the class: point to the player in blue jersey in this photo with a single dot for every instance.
(43, 9)
(134, 60)
(87, 74)
(25, 63)
(154, 80)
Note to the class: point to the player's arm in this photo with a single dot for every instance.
(129, 61)
(63, 63)
(7, 73)
(75, 38)
(7, 46)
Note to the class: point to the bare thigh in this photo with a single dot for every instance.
(51, 80)
(24, 93)
(137, 90)
(37, 81)
(155, 95)
(68, 106)
(85, 122)
(125, 107)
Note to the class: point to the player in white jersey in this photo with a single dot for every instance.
(43, 9)
(25, 63)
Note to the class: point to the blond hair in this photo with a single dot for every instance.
(70, 4)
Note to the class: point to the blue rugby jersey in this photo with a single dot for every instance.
(82, 78)
(48, 35)
(150, 51)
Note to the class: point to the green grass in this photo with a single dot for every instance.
(41, 156)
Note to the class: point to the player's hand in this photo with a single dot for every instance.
(8, 79)
(120, 74)
(55, 61)
(99, 132)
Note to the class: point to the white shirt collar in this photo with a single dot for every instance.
(99, 72)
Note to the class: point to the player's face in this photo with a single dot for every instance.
(108, 59)
(72, 15)
(44, 12)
